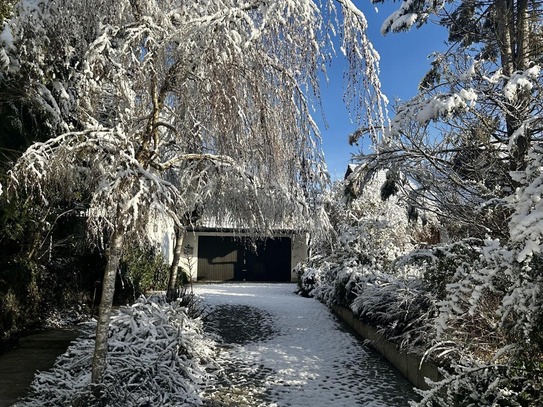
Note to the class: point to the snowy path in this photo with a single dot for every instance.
(284, 350)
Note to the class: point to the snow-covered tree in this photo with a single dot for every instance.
(468, 146)
(477, 112)
(180, 108)
(369, 233)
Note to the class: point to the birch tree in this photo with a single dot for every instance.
(176, 107)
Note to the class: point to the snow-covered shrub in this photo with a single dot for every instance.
(309, 279)
(401, 308)
(490, 324)
(509, 272)
(359, 268)
(437, 264)
(157, 357)
(491, 315)
(318, 279)
(470, 383)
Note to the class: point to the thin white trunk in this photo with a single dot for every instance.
(174, 268)
(522, 34)
(106, 303)
(503, 29)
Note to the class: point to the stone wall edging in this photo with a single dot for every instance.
(408, 364)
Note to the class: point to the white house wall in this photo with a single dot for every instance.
(300, 247)
(161, 234)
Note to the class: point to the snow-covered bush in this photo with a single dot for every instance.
(401, 308)
(491, 316)
(359, 269)
(310, 278)
(157, 357)
(437, 264)
(479, 384)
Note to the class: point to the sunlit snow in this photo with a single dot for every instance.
(310, 360)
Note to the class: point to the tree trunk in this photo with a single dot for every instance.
(512, 29)
(503, 30)
(106, 303)
(523, 141)
(522, 35)
(174, 268)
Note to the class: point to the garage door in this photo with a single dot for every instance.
(224, 258)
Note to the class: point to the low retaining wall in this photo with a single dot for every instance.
(408, 364)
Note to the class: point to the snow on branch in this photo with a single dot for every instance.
(409, 13)
(446, 105)
(364, 94)
(521, 82)
(100, 162)
(426, 110)
(526, 223)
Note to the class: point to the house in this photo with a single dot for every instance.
(213, 253)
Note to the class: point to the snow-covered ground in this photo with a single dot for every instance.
(286, 350)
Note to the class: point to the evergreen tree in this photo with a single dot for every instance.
(468, 148)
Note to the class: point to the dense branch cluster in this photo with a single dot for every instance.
(466, 154)
(182, 109)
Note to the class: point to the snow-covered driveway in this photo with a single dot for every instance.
(286, 350)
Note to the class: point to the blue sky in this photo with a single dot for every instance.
(404, 61)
